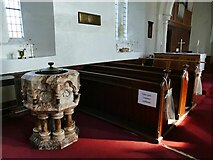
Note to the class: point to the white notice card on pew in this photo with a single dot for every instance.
(147, 98)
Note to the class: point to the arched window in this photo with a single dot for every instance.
(14, 18)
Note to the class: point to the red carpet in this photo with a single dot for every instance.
(98, 139)
(194, 135)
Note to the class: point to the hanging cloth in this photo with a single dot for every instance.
(169, 103)
(198, 85)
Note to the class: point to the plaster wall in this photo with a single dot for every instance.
(77, 44)
(38, 24)
(201, 27)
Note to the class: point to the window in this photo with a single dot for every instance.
(14, 18)
(121, 13)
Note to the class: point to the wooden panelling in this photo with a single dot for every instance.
(178, 28)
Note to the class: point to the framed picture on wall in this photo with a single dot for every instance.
(88, 18)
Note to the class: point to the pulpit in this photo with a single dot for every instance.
(52, 94)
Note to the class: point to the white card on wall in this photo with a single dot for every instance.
(147, 98)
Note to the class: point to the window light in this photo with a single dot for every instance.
(14, 18)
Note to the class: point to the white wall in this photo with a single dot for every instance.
(163, 15)
(140, 14)
(201, 27)
(151, 11)
(82, 44)
(3, 29)
(137, 25)
(88, 43)
(38, 24)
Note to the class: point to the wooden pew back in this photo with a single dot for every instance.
(179, 81)
(191, 75)
(127, 72)
(115, 98)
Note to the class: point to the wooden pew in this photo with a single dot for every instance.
(13, 107)
(164, 63)
(195, 72)
(175, 64)
(136, 64)
(126, 72)
(178, 59)
(179, 82)
(115, 99)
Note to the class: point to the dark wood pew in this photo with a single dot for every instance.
(164, 63)
(175, 64)
(115, 99)
(176, 60)
(195, 71)
(126, 72)
(13, 107)
(136, 64)
(179, 81)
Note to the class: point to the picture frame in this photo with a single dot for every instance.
(88, 18)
